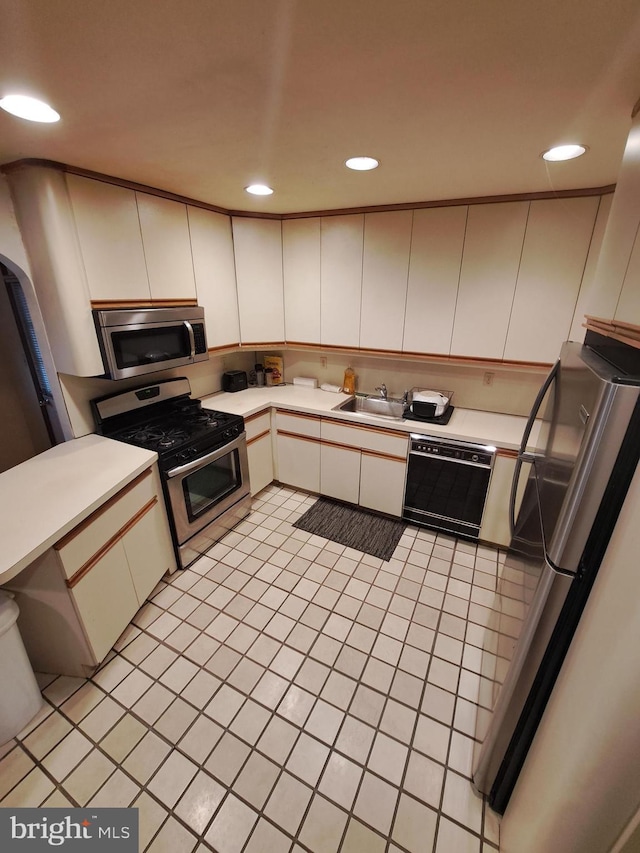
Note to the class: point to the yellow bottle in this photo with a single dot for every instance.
(349, 381)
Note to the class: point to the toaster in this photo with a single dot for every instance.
(234, 380)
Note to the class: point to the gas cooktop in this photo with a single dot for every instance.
(164, 418)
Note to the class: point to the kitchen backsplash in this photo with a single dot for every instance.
(204, 377)
(512, 391)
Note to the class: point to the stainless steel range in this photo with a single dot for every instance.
(202, 456)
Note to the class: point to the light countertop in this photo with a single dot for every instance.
(465, 425)
(45, 497)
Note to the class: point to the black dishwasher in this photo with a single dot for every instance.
(447, 483)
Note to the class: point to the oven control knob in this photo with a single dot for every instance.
(474, 457)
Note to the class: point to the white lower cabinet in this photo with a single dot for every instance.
(298, 450)
(78, 598)
(382, 481)
(340, 472)
(259, 450)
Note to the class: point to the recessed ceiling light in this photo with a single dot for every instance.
(259, 189)
(564, 152)
(30, 108)
(361, 164)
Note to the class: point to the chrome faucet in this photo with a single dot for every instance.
(383, 390)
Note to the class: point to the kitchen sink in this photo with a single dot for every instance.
(373, 406)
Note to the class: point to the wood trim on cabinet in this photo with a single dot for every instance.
(260, 435)
(106, 304)
(507, 452)
(339, 446)
(262, 345)
(297, 435)
(7, 168)
(303, 415)
(257, 415)
(379, 455)
(619, 330)
(368, 428)
(109, 544)
(60, 544)
(418, 356)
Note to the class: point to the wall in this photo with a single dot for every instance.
(204, 377)
(579, 785)
(512, 390)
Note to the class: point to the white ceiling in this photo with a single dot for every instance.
(457, 98)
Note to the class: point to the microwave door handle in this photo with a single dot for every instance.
(523, 455)
(192, 340)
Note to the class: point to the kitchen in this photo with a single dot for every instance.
(285, 284)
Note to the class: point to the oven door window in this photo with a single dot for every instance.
(137, 347)
(209, 485)
(448, 489)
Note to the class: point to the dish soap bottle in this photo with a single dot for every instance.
(349, 381)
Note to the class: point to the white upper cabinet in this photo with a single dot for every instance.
(628, 308)
(341, 279)
(215, 272)
(554, 254)
(106, 218)
(385, 269)
(257, 246)
(434, 272)
(301, 269)
(490, 260)
(167, 247)
(583, 305)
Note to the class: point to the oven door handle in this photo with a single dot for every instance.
(192, 339)
(210, 457)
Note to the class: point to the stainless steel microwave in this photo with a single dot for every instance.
(136, 341)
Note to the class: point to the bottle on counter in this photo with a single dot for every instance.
(349, 381)
(259, 375)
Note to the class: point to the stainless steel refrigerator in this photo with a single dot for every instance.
(578, 455)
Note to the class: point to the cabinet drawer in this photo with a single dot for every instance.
(257, 424)
(377, 439)
(298, 424)
(86, 540)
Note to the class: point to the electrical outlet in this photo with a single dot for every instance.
(488, 379)
(323, 361)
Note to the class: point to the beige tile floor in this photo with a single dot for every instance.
(283, 694)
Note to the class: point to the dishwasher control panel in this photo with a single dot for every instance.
(476, 454)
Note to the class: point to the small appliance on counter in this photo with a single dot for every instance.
(429, 406)
(234, 380)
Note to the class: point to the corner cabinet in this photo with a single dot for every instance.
(77, 599)
(215, 273)
(259, 450)
(257, 245)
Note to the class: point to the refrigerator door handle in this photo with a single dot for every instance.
(523, 455)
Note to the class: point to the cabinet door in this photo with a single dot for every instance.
(299, 462)
(385, 269)
(147, 545)
(382, 480)
(340, 473)
(490, 259)
(434, 272)
(556, 245)
(108, 227)
(215, 274)
(301, 269)
(341, 279)
(257, 245)
(106, 600)
(167, 247)
(260, 455)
